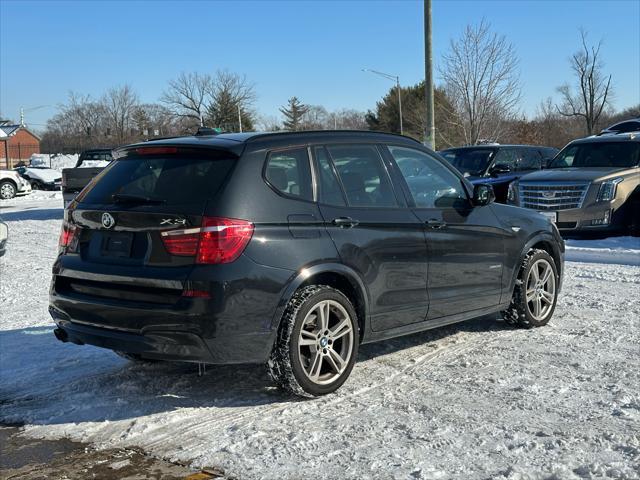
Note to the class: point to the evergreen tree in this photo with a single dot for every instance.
(293, 113)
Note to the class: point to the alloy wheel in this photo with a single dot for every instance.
(541, 289)
(325, 343)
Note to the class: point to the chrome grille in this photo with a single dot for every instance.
(550, 196)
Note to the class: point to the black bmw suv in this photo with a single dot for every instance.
(291, 249)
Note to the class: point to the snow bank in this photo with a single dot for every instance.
(617, 250)
(58, 160)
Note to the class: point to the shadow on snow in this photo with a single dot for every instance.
(45, 382)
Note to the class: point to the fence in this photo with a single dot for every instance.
(16, 153)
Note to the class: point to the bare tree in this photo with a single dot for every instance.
(120, 104)
(230, 94)
(593, 87)
(187, 96)
(315, 117)
(347, 119)
(480, 73)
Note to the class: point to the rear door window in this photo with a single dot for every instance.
(168, 180)
(363, 175)
(288, 171)
(330, 192)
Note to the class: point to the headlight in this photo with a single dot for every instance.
(607, 190)
(511, 193)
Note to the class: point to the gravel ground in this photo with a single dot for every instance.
(472, 401)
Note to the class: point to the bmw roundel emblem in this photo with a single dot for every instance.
(107, 220)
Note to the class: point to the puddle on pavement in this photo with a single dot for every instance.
(24, 458)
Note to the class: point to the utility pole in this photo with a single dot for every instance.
(430, 134)
(240, 118)
(396, 79)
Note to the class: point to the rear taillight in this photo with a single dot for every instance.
(218, 240)
(67, 234)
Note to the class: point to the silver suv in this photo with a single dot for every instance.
(592, 185)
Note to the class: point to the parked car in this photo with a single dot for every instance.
(593, 185)
(498, 165)
(4, 236)
(627, 126)
(12, 184)
(291, 249)
(41, 178)
(90, 163)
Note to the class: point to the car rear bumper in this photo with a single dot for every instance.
(151, 316)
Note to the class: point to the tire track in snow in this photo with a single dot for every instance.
(416, 359)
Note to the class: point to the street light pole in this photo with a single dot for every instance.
(396, 78)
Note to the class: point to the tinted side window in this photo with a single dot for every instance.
(330, 192)
(530, 159)
(508, 157)
(432, 185)
(288, 172)
(363, 175)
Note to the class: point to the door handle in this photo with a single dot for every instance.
(435, 224)
(345, 222)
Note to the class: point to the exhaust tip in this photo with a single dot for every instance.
(61, 335)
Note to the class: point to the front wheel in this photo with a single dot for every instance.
(536, 292)
(317, 342)
(7, 190)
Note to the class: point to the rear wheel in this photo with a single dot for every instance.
(7, 190)
(536, 292)
(317, 342)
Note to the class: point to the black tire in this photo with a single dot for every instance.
(8, 190)
(285, 365)
(518, 313)
(36, 185)
(134, 357)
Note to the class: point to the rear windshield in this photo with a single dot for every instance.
(473, 161)
(170, 180)
(605, 154)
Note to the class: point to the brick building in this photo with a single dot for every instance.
(17, 143)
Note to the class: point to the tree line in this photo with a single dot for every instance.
(477, 101)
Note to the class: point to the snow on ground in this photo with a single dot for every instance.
(472, 401)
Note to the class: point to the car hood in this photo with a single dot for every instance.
(570, 174)
(44, 175)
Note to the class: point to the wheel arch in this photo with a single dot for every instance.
(543, 241)
(335, 275)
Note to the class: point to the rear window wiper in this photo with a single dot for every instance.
(130, 198)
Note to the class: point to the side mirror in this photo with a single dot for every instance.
(498, 169)
(483, 194)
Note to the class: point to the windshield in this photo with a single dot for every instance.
(473, 161)
(605, 154)
(172, 180)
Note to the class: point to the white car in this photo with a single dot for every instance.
(12, 184)
(41, 178)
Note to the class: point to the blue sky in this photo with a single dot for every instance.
(314, 50)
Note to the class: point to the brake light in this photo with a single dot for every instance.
(67, 234)
(218, 240)
(155, 150)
